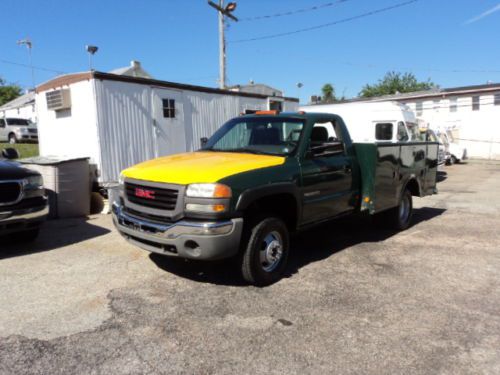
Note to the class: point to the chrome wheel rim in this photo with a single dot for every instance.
(271, 251)
(404, 209)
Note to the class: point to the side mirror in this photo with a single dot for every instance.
(203, 141)
(10, 153)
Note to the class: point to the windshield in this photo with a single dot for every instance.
(257, 135)
(18, 122)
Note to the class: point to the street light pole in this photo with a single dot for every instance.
(223, 11)
(29, 45)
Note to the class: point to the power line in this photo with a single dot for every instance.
(34, 67)
(345, 20)
(373, 66)
(292, 12)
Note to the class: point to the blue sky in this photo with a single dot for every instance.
(452, 42)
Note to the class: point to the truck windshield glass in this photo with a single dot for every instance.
(18, 122)
(259, 136)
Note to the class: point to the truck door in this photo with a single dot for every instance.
(168, 121)
(326, 175)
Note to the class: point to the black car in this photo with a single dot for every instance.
(23, 204)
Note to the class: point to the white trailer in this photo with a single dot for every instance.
(118, 121)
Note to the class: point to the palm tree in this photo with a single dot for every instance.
(328, 93)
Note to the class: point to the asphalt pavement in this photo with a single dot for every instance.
(356, 299)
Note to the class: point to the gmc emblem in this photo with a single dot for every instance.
(143, 193)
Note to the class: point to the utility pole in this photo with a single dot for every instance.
(223, 12)
(29, 45)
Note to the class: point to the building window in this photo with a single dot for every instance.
(497, 99)
(475, 103)
(453, 104)
(436, 104)
(419, 107)
(168, 108)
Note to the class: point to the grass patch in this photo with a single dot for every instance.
(26, 150)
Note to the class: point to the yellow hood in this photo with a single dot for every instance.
(199, 167)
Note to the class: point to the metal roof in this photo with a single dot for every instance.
(20, 101)
(68, 79)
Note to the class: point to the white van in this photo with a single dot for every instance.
(374, 122)
(14, 130)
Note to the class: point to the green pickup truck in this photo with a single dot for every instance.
(261, 177)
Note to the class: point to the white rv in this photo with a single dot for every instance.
(374, 122)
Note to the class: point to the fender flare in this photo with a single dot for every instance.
(249, 196)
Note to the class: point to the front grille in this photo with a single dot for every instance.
(161, 198)
(10, 192)
(33, 131)
(146, 216)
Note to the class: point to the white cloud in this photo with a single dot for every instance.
(496, 8)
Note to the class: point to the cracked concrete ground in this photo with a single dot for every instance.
(356, 299)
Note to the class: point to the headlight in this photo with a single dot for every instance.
(208, 191)
(33, 183)
(22, 130)
(121, 179)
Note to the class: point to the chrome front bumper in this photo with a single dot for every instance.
(186, 239)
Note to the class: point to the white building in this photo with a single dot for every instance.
(471, 112)
(21, 107)
(118, 120)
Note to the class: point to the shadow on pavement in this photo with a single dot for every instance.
(441, 176)
(307, 247)
(53, 234)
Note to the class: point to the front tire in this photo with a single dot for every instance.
(265, 256)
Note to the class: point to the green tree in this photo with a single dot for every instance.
(328, 92)
(395, 82)
(8, 92)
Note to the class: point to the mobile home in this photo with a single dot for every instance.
(118, 121)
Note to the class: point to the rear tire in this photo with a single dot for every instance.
(265, 255)
(402, 214)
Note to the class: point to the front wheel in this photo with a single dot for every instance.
(265, 255)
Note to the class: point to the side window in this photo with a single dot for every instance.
(402, 133)
(2, 123)
(323, 133)
(168, 108)
(328, 138)
(383, 131)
